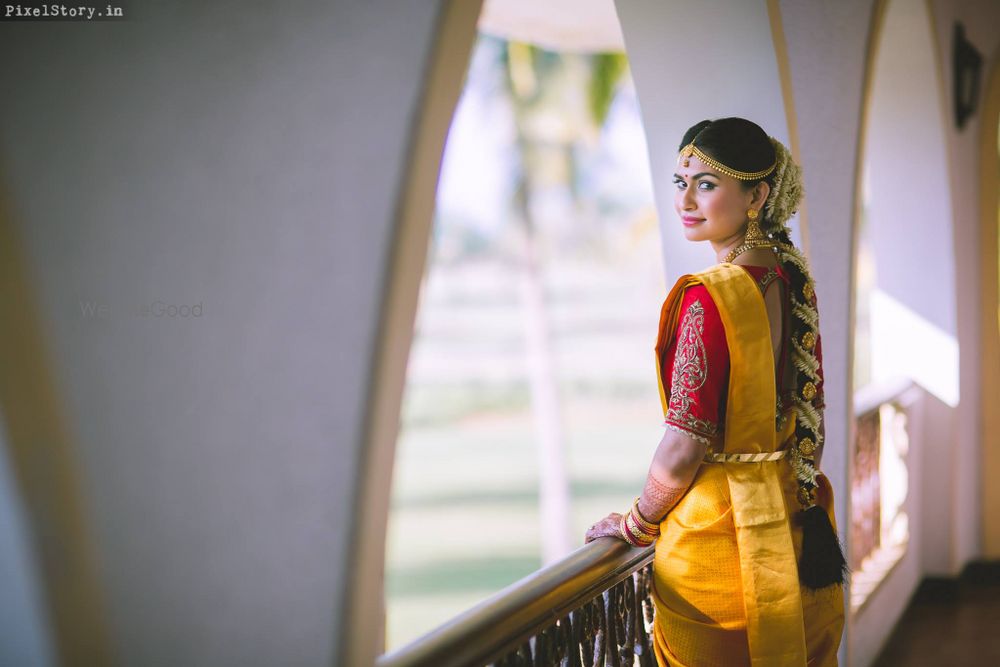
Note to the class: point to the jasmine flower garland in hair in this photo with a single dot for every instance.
(822, 562)
(787, 191)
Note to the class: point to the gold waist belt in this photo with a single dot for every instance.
(745, 458)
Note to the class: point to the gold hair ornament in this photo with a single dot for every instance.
(691, 149)
(786, 187)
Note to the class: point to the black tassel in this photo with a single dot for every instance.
(822, 563)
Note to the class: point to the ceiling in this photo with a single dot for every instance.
(559, 25)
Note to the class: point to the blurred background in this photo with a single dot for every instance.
(531, 408)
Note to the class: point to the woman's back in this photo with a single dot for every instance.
(698, 382)
(732, 527)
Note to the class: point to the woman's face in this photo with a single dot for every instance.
(711, 206)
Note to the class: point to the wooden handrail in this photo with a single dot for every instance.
(506, 620)
(499, 625)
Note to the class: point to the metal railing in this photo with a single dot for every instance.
(594, 607)
(866, 482)
(866, 488)
(591, 608)
(878, 485)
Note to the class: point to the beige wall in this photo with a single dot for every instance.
(249, 161)
(979, 19)
(990, 307)
(912, 240)
(679, 82)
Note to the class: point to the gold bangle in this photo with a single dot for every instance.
(647, 526)
(634, 537)
(639, 532)
(626, 533)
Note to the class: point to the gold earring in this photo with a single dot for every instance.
(754, 238)
(753, 227)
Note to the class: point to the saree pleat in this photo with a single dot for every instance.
(726, 586)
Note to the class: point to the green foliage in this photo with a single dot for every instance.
(530, 70)
(607, 70)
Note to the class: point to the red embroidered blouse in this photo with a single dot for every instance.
(696, 363)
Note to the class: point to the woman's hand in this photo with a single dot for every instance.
(606, 527)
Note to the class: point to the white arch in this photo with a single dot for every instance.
(693, 61)
(908, 203)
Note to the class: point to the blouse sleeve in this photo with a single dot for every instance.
(698, 365)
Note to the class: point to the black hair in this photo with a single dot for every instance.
(735, 142)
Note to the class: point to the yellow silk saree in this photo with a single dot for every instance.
(726, 585)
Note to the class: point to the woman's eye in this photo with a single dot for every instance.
(708, 186)
(679, 183)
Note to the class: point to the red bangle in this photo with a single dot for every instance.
(636, 538)
(639, 527)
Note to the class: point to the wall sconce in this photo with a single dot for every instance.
(966, 63)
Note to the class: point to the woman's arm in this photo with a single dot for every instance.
(671, 472)
(675, 463)
(695, 365)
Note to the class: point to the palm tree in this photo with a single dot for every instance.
(532, 78)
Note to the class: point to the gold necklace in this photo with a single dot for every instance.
(750, 245)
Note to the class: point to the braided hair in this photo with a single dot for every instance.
(742, 145)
